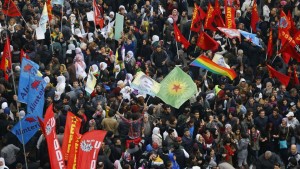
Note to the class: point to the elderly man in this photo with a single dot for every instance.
(268, 160)
(294, 153)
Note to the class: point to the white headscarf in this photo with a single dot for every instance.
(79, 64)
(95, 69)
(103, 65)
(128, 78)
(3, 161)
(61, 84)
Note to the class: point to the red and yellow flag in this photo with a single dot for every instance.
(209, 18)
(6, 60)
(230, 17)
(206, 42)
(254, 16)
(9, 8)
(179, 37)
(270, 44)
(196, 20)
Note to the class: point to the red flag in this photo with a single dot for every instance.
(284, 22)
(73, 124)
(49, 9)
(254, 17)
(218, 20)
(89, 147)
(206, 42)
(9, 8)
(284, 79)
(290, 48)
(270, 44)
(72, 161)
(6, 60)
(97, 15)
(179, 37)
(202, 13)
(293, 29)
(217, 8)
(230, 17)
(296, 79)
(23, 55)
(49, 128)
(196, 20)
(209, 18)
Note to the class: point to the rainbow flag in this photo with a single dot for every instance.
(206, 63)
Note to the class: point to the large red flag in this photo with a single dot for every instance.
(49, 9)
(206, 42)
(254, 17)
(196, 20)
(6, 60)
(9, 8)
(202, 13)
(73, 124)
(217, 8)
(230, 17)
(284, 22)
(179, 37)
(284, 79)
(97, 14)
(72, 161)
(290, 48)
(209, 18)
(218, 20)
(270, 44)
(89, 147)
(293, 29)
(49, 129)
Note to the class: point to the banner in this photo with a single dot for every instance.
(231, 33)
(145, 85)
(35, 106)
(73, 124)
(90, 144)
(251, 37)
(119, 26)
(49, 129)
(72, 161)
(6, 60)
(58, 2)
(44, 19)
(28, 68)
(30, 125)
(230, 17)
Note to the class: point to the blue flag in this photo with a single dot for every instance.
(35, 106)
(30, 125)
(251, 37)
(28, 68)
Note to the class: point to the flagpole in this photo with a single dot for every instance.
(120, 105)
(274, 59)
(62, 14)
(190, 35)
(148, 99)
(177, 49)
(21, 128)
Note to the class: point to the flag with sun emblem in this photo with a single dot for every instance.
(176, 88)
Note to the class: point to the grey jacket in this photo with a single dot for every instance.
(242, 148)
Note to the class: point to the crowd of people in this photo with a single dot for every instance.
(252, 121)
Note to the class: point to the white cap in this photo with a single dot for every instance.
(290, 114)
(242, 80)
(170, 20)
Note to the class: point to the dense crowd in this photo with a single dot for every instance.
(252, 120)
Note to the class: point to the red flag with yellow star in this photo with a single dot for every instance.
(254, 17)
(176, 88)
(179, 37)
(6, 60)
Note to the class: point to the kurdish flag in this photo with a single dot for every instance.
(176, 88)
(44, 19)
(206, 63)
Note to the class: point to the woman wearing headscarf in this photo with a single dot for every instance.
(61, 84)
(64, 72)
(80, 65)
(103, 72)
(174, 16)
(2, 164)
(130, 62)
(128, 79)
(156, 136)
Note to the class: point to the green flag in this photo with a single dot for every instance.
(176, 88)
